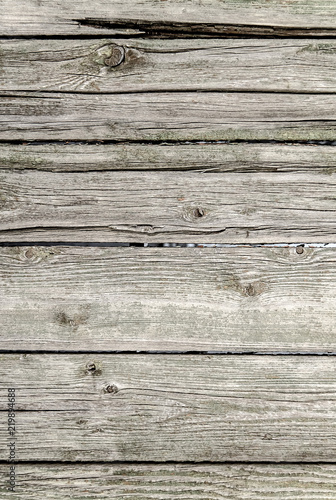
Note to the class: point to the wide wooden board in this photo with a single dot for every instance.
(131, 65)
(168, 299)
(212, 17)
(170, 407)
(160, 116)
(185, 207)
(170, 481)
(204, 157)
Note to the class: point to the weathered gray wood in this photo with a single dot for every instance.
(164, 481)
(204, 157)
(162, 65)
(162, 116)
(298, 17)
(168, 299)
(166, 407)
(163, 207)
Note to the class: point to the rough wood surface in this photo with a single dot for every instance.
(114, 65)
(204, 157)
(167, 116)
(167, 482)
(166, 407)
(163, 207)
(214, 17)
(168, 299)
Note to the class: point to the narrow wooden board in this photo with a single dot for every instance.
(131, 65)
(163, 116)
(185, 207)
(166, 407)
(228, 17)
(168, 299)
(168, 482)
(204, 157)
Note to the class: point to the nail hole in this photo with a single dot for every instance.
(300, 249)
(91, 367)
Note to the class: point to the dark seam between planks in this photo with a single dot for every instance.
(143, 36)
(166, 353)
(165, 245)
(29, 93)
(168, 142)
(166, 462)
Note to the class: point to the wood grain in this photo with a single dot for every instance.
(165, 65)
(227, 17)
(165, 481)
(204, 157)
(168, 299)
(163, 207)
(166, 407)
(164, 116)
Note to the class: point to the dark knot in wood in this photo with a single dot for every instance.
(116, 57)
(111, 389)
(91, 367)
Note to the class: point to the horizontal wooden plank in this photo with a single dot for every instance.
(206, 157)
(166, 407)
(185, 207)
(82, 17)
(168, 116)
(166, 481)
(168, 299)
(114, 65)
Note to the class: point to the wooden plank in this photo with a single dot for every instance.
(186, 207)
(167, 481)
(204, 157)
(166, 407)
(131, 65)
(228, 17)
(167, 116)
(238, 299)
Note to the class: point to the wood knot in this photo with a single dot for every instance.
(29, 254)
(116, 56)
(198, 212)
(253, 289)
(250, 290)
(111, 389)
(73, 320)
(93, 369)
(191, 214)
(300, 249)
